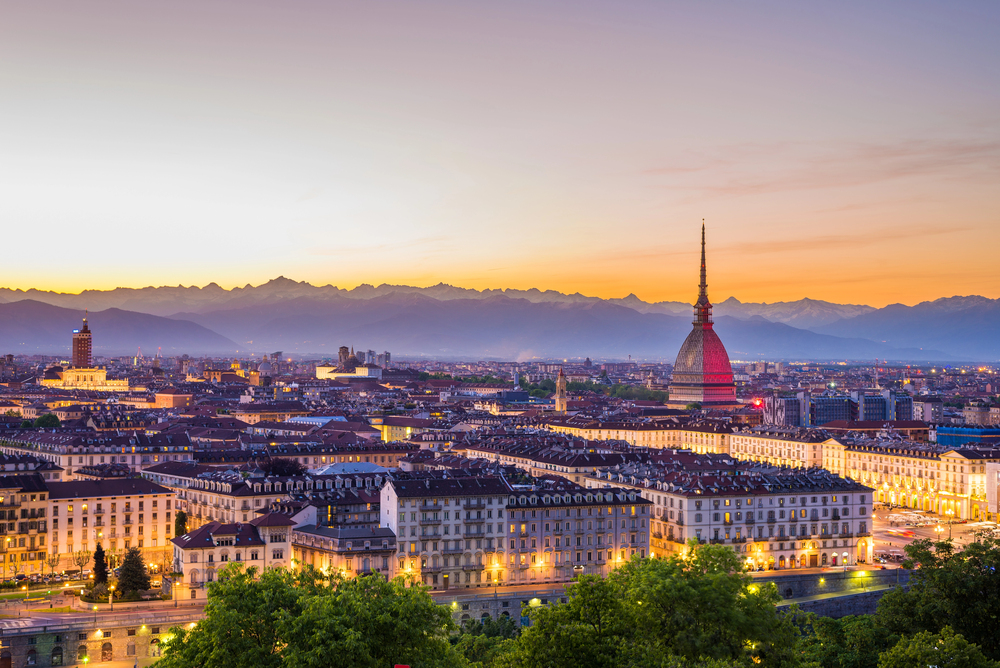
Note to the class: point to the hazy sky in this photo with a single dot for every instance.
(847, 151)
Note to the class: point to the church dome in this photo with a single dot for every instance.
(264, 368)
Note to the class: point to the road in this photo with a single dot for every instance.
(890, 539)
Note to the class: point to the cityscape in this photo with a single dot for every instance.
(520, 433)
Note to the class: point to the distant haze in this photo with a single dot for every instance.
(847, 152)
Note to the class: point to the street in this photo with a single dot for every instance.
(891, 537)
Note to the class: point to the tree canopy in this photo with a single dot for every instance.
(277, 618)
(956, 589)
(698, 609)
(935, 649)
(283, 466)
(132, 575)
(100, 566)
(47, 421)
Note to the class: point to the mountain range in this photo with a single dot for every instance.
(444, 321)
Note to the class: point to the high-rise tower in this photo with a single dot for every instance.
(82, 357)
(702, 373)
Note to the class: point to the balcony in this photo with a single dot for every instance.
(468, 533)
(453, 550)
(749, 520)
(99, 511)
(472, 567)
(429, 520)
(846, 534)
(431, 569)
(474, 505)
(716, 541)
(430, 506)
(771, 520)
(739, 540)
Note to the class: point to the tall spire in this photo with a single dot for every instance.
(703, 286)
(703, 307)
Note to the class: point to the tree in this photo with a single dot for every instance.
(52, 560)
(47, 421)
(27, 424)
(960, 590)
(277, 618)
(283, 466)
(693, 406)
(848, 642)
(592, 629)
(180, 523)
(15, 567)
(132, 575)
(946, 648)
(688, 610)
(81, 559)
(100, 566)
(490, 642)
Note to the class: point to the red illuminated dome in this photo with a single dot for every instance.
(702, 373)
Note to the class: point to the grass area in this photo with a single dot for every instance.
(64, 609)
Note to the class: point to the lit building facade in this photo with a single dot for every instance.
(949, 481)
(481, 532)
(789, 519)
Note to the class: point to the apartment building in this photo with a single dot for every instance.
(222, 494)
(348, 550)
(782, 519)
(703, 436)
(70, 451)
(198, 555)
(449, 531)
(539, 460)
(474, 532)
(950, 481)
(24, 510)
(779, 445)
(117, 513)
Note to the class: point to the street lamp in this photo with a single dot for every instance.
(111, 600)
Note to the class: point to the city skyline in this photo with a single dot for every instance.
(847, 156)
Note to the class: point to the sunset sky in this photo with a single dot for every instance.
(845, 151)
